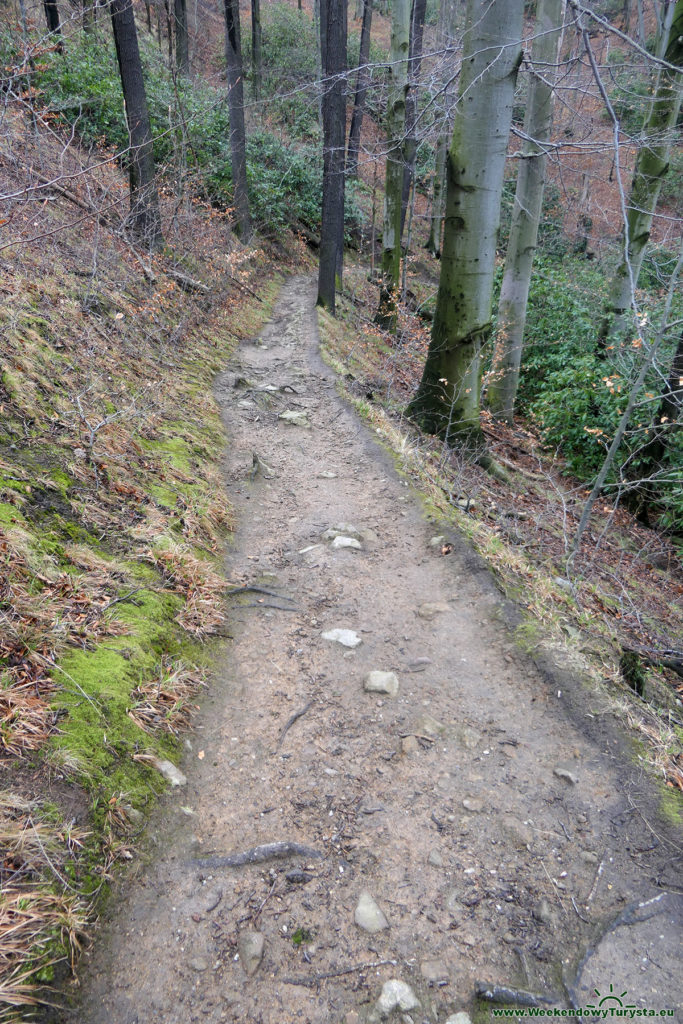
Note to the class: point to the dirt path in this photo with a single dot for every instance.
(490, 815)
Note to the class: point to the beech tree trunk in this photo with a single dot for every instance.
(417, 24)
(447, 400)
(333, 50)
(256, 57)
(182, 53)
(145, 217)
(238, 137)
(438, 196)
(652, 166)
(393, 179)
(526, 213)
(362, 82)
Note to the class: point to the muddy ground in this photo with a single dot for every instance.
(490, 808)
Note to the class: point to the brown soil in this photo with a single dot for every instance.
(487, 864)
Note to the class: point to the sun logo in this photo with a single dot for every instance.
(610, 999)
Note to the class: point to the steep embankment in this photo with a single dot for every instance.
(112, 527)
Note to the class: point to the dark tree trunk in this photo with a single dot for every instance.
(238, 137)
(148, 12)
(52, 20)
(256, 59)
(182, 52)
(89, 14)
(417, 24)
(169, 31)
(145, 218)
(362, 82)
(333, 48)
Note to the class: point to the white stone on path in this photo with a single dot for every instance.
(459, 1018)
(397, 993)
(345, 637)
(169, 771)
(431, 609)
(368, 915)
(381, 682)
(346, 542)
(295, 418)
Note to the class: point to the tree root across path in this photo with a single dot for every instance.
(259, 854)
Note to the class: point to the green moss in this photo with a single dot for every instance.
(62, 479)
(10, 514)
(671, 806)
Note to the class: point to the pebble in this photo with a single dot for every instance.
(510, 938)
(327, 474)
(419, 664)
(453, 905)
(250, 946)
(428, 726)
(459, 1018)
(346, 542)
(434, 971)
(564, 773)
(588, 857)
(543, 913)
(435, 859)
(431, 609)
(199, 965)
(409, 745)
(345, 637)
(352, 1017)
(342, 530)
(473, 805)
(381, 682)
(436, 542)
(396, 993)
(169, 771)
(368, 915)
(295, 418)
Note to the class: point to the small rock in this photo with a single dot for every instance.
(396, 993)
(434, 971)
(418, 664)
(381, 682)
(352, 1017)
(295, 418)
(345, 637)
(409, 745)
(588, 857)
(368, 915)
(250, 946)
(459, 1018)
(435, 859)
(543, 913)
(169, 771)
(346, 542)
(562, 583)
(342, 530)
(564, 773)
(327, 474)
(198, 964)
(452, 902)
(428, 726)
(436, 542)
(245, 403)
(469, 738)
(431, 609)
(510, 938)
(468, 940)
(473, 805)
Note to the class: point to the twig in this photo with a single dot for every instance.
(591, 894)
(215, 903)
(517, 996)
(291, 720)
(578, 912)
(257, 590)
(118, 600)
(315, 979)
(278, 607)
(259, 854)
(258, 912)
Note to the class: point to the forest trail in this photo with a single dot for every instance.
(493, 818)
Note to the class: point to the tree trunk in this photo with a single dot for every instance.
(145, 217)
(438, 190)
(88, 14)
(526, 214)
(386, 315)
(652, 166)
(52, 21)
(417, 24)
(362, 82)
(447, 400)
(238, 138)
(169, 31)
(256, 58)
(182, 53)
(333, 50)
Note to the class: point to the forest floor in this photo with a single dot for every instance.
(488, 818)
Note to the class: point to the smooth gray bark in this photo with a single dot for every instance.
(417, 23)
(362, 82)
(526, 213)
(393, 179)
(447, 400)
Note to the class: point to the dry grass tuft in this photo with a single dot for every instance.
(202, 589)
(165, 703)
